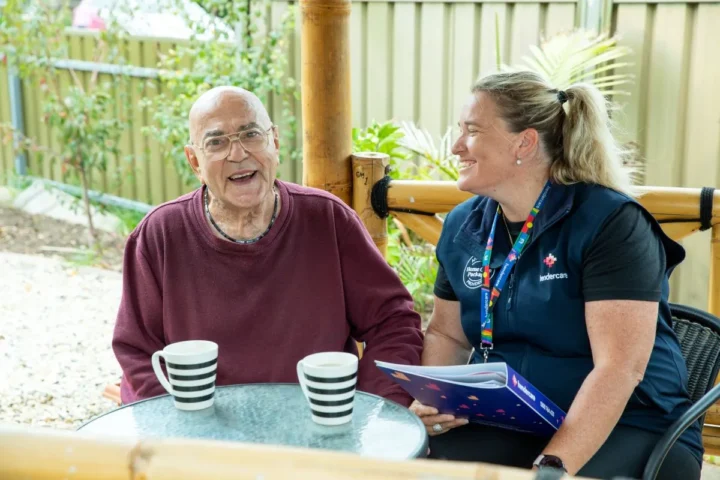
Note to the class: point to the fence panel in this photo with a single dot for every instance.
(416, 61)
(673, 112)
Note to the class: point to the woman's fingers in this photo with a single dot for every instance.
(445, 426)
(421, 410)
(458, 422)
(430, 418)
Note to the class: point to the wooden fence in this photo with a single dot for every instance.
(415, 60)
(673, 112)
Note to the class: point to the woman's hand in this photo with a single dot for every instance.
(430, 417)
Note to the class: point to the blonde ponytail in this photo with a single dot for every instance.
(590, 153)
(573, 125)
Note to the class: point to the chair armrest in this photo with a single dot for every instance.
(676, 429)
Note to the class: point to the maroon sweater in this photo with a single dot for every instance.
(315, 283)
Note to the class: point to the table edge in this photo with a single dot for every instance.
(420, 453)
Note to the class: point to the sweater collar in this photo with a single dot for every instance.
(204, 230)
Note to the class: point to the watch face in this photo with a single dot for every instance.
(552, 461)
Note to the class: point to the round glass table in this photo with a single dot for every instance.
(275, 414)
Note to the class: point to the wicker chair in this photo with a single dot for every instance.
(699, 335)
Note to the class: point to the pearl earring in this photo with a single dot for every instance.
(518, 161)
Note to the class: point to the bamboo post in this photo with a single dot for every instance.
(714, 288)
(326, 100)
(368, 169)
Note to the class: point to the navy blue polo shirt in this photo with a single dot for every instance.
(539, 318)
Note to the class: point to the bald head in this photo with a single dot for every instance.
(224, 101)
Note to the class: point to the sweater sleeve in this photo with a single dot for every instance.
(379, 309)
(139, 325)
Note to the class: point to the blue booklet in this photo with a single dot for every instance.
(488, 393)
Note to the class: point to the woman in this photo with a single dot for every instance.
(582, 311)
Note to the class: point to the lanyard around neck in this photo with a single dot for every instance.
(488, 296)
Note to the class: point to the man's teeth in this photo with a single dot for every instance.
(244, 175)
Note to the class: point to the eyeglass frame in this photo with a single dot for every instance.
(236, 134)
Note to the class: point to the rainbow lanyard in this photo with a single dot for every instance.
(488, 299)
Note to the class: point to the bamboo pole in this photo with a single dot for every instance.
(442, 196)
(368, 169)
(714, 287)
(427, 227)
(82, 456)
(425, 196)
(679, 230)
(326, 101)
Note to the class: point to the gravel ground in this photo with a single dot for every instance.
(56, 324)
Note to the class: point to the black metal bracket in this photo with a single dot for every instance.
(706, 207)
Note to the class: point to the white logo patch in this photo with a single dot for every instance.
(472, 276)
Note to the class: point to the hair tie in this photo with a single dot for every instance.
(562, 97)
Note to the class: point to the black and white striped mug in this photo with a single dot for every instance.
(192, 368)
(328, 381)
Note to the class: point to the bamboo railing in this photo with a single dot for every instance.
(677, 210)
(43, 454)
(417, 203)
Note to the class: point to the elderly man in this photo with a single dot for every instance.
(269, 270)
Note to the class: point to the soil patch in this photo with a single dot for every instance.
(21, 232)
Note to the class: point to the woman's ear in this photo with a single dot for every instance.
(528, 142)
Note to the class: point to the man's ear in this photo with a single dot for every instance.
(276, 137)
(528, 142)
(194, 162)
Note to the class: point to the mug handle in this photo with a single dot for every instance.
(159, 373)
(301, 380)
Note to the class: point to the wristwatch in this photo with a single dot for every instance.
(550, 461)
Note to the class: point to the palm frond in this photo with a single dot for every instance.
(439, 159)
(580, 56)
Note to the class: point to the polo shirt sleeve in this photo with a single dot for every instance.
(626, 260)
(442, 288)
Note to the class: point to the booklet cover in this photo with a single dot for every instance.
(488, 393)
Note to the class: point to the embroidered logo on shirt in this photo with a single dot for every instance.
(550, 260)
(472, 276)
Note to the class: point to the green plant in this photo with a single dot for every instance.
(416, 266)
(236, 50)
(413, 154)
(429, 162)
(219, 8)
(81, 115)
(382, 138)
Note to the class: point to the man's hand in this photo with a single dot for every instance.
(430, 418)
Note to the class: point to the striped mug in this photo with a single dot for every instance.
(328, 382)
(192, 368)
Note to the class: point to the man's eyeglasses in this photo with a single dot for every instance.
(252, 140)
